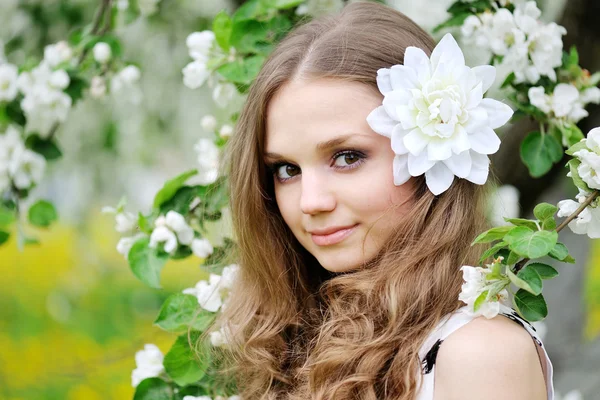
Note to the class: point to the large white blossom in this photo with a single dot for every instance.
(208, 160)
(199, 44)
(8, 82)
(563, 103)
(202, 248)
(475, 284)
(149, 364)
(195, 74)
(435, 114)
(208, 293)
(171, 230)
(587, 222)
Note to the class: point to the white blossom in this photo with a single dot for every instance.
(8, 82)
(545, 49)
(195, 74)
(229, 275)
(527, 16)
(164, 235)
(126, 243)
(171, 230)
(475, 284)
(590, 95)
(208, 293)
(316, 8)
(223, 94)
(102, 52)
(199, 44)
(149, 364)
(125, 79)
(202, 248)
(587, 222)
(563, 103)
(208, 123)
(435, 114)
(226, 131)
(188, 397)
(208, 160)
(504, 203)
(97, 87)
(220, 338)
(589, 169)
(55, 54)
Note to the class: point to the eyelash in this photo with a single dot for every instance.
(273, 168)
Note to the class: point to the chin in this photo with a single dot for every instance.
(339, 264)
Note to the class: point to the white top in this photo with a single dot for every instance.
(456, 320)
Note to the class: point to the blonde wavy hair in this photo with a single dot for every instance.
(300, 332)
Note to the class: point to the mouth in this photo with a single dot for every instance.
(333, 237)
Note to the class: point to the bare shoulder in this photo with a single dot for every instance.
(489, 358)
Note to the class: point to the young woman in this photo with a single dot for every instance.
(349, 284)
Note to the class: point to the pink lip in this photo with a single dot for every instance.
(331, 236)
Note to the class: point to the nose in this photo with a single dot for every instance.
(317, 195)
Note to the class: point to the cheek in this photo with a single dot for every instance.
(287, 205)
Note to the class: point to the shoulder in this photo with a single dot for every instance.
(492, 359)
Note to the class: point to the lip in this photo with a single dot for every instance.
(333, 235)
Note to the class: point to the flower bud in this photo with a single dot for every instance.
(226, 131)
(209, 123)
(102, 52)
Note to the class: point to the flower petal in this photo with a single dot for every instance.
(418, 165)
(383, 80)
(381, 122)
(401, 174)
(393, 99)
(439, 178)
(479, 168)
(439, 149)
(475, 96)
(487, 75)
(398, 135)
(403, 77)
(416, 59)
(478, 118)
(460, 164)
(415, 141)
(447, 51)
(498, 112)
(485, 141)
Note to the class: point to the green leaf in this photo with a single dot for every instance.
(171, 187)
(492, 251)
(532, 308)
(182, 363)
(182, 251)
(7, 216)
(285, 4)
(146, 262)
(480, 300)
(581, 145)
(573, 164)
(180, 202)
(496, 233)
(522, 222)
(512, 258)
(530, 244)
(539, 152)
(15, 113)
(222, 26)
(527, 279)
(45, 147)
(250, 10)
(457, 20)
(545, 213)
(153, 389)
(144, 224)
(509, 80)
(4, 236)
(570, 134)
(545, 271)
(76, 86)
(42, 214)
(559, 252)
(180, 312)
(242, 71)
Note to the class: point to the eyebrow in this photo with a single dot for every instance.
(321, 147)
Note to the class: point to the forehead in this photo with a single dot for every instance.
(307, 112)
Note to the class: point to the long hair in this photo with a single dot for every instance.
(299, 332)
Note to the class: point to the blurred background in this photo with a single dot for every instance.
(72, 315)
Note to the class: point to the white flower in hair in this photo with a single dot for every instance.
(436, 117)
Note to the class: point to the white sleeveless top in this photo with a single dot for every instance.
(456, 320)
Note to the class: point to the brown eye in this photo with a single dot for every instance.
(347, 159)
(288, 170)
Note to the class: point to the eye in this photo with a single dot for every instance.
(284, 172)
(346, 158)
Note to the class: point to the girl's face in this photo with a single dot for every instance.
(332, 173)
